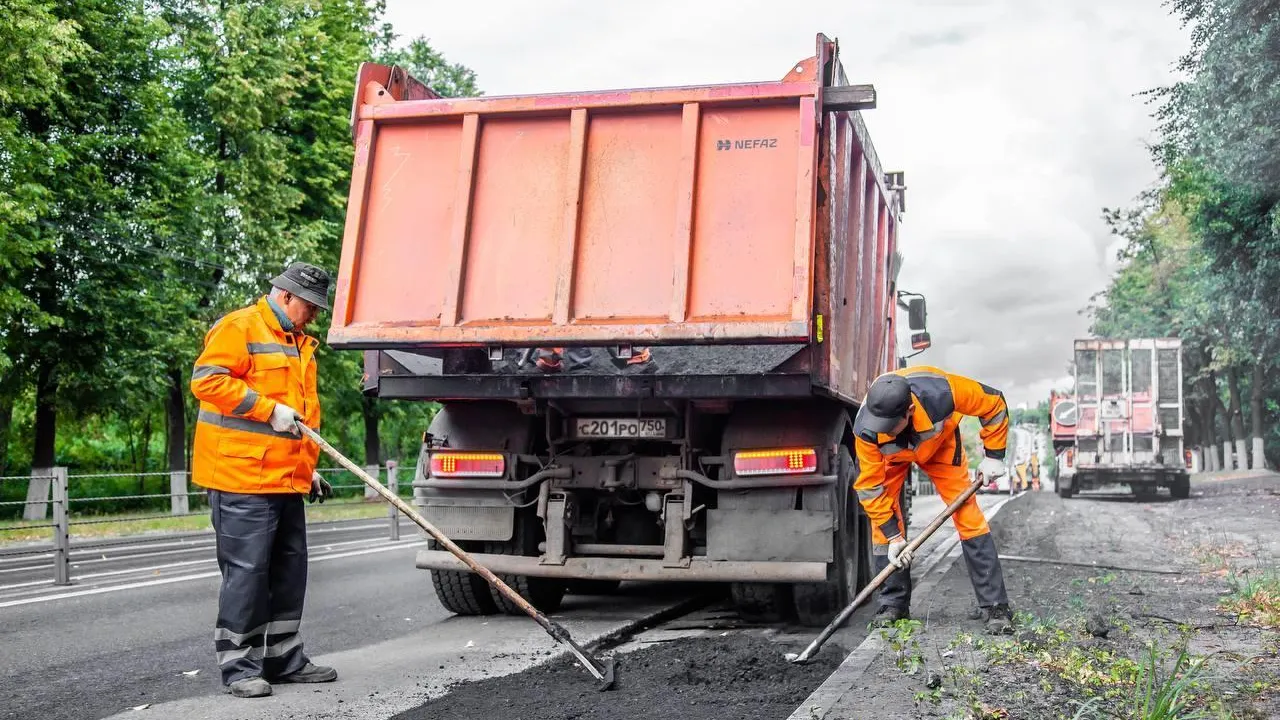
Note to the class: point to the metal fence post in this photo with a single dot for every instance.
(392, 513)
(37, 507)
(178, 504)
(370, 493)
(61, 529)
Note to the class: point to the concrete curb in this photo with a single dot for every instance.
(820, 702)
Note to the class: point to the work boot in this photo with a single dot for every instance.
(250, 688)
(311, 673)
(998, 620)
(887, 615)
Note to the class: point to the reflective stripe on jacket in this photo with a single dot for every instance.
(249, 364)
(939, 401)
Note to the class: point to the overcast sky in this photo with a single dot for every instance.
(1016, 122)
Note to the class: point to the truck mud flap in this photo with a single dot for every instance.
(793, 535)
(472, 523)
(604, 568)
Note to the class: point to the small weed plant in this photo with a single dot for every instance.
(1254, 598)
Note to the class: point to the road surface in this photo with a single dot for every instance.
(95, 650)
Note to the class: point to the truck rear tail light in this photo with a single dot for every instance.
(1071, 456)
(468, 464)
(797, 461)
(1186, 458)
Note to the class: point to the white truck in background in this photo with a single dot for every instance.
(1123, 422)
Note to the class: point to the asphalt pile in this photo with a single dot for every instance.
(713, 678)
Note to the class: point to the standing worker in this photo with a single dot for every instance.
(913, 415)
(254, 379)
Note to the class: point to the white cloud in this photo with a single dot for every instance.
(1016, 121)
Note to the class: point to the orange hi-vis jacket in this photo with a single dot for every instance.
(939, 401)
(249, 364)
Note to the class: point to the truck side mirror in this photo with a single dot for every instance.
(916, 314)
(920, 341)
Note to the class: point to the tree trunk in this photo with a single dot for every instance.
(1257, 392)
(1237, 419)
(176, 422)
(6, 422)
(1208, 431)
(46, 417)
(1222, 429)
(372, 446)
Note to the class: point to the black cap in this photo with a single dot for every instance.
(887, 403)
(307, 282)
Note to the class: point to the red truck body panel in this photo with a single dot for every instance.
(733, 214)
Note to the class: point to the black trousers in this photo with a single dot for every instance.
(262, 552)
(980, 557)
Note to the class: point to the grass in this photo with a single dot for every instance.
(1159, 695)
(134, 524)
(1254, 598)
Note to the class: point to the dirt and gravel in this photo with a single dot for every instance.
(1201, 579)
(1191, 605)
(704, 678)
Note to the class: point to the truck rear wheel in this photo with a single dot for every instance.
(817, 603)
(462, 592)
(545, 594)
(1180, 489)
(1064, 489)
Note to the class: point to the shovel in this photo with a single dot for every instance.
(884, 574)
(602, 670)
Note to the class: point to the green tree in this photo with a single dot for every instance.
(117, 158)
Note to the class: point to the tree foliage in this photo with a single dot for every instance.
(1202, 254)
(159, 162)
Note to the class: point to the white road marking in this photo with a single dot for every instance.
(196, 576)
(185, 545)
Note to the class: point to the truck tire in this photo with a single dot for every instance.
(1180, 489)
(461, 592)
(761, 602)
(1065, 491)
(545, 594)
(816, 604)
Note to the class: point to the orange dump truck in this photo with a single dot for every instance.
(715, 267)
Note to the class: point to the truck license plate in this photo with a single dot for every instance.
(621, 427)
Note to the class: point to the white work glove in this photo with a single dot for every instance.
(991, 468)
(899, 555)
(282, 419)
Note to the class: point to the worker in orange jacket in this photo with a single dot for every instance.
(910, 416)
(255, 379)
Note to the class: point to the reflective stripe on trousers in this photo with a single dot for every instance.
(262, 553)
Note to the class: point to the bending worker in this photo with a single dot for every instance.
(255, 378)
(910, 416)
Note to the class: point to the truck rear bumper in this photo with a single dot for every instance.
(604, 568)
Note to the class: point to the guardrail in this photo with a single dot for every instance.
(54, 489)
